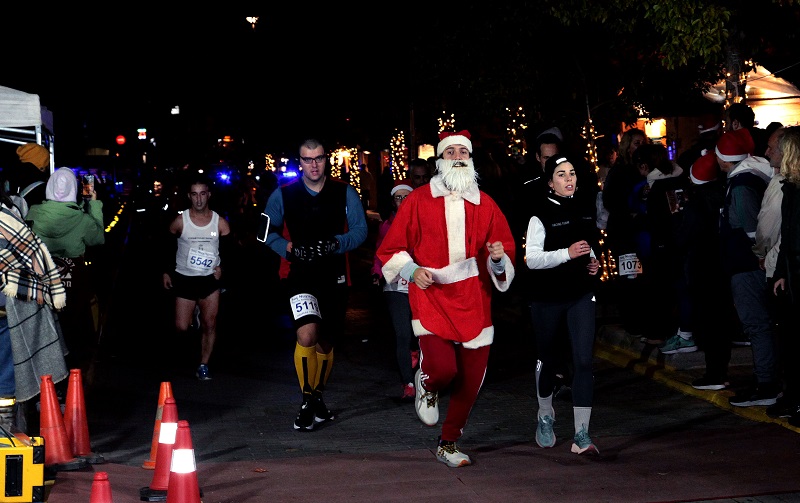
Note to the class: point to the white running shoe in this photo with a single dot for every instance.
(448, 453)
(426, 403)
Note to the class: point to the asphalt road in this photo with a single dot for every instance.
(659, 441)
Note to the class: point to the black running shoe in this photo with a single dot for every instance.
(763, 394)
(781, 408)
(305, 418)
(321, 412)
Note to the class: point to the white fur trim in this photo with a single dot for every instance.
(418, 329)
(732, 157)
(485, 338)
(392, 268)
(455, 218)
(502, 286)
(456, 272)
(455, 139)
(438, 189)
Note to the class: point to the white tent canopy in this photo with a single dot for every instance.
(772, 98)
(23, 120)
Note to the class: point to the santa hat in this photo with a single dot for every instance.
(734, 146)
(704, 169)
(401, 184)
(446, 139)
(35, 154)
(708, 122)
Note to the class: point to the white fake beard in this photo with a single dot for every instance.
(458, 175)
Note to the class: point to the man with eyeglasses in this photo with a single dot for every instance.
(450, 240)
(314, 222)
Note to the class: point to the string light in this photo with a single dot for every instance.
(607, 263)
(588, 134)
(642, 111)
(516, 127)
(336, 167)
(345, 160)
(397, 149)
(269, 162)
(447, 124)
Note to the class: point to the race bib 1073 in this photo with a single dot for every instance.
(629, 264)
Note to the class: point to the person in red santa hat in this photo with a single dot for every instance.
(396, 295)
(452, 243)
(747, 179)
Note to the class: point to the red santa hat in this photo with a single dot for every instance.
(447, 138)
(734, 146)
(704, 169)
(401, 185)
(708, 122)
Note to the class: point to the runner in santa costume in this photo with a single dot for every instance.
(452, 243)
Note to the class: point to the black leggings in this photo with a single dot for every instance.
(580, 316)
(400, 312)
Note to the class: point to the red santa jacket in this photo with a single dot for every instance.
(448, 233)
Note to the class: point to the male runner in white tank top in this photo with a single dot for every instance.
(195, 280)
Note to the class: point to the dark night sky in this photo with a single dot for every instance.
(338, 73)
(295, 75)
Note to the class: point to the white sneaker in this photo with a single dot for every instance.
(426, 403)
(448, 453)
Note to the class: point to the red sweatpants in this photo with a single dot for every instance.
(444, 362)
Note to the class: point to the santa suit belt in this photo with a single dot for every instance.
(456, 272)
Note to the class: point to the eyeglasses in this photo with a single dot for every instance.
(400, 198)
(308, 160)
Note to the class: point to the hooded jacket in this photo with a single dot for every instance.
(66, 228)
(746, 184)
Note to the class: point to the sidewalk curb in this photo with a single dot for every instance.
(677, 380)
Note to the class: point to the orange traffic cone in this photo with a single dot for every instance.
(101, 489)
(163, 394)
(75, 420)
(157, 491)
(183, 486)
(57, 452)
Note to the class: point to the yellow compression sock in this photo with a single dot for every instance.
(305, 364)
(324, 366)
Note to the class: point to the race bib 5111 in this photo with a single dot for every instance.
(304, 304)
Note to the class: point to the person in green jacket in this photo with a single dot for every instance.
(68, 228)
